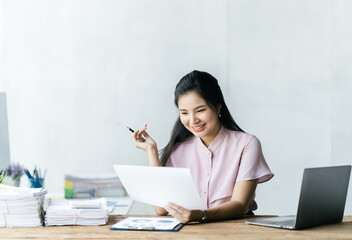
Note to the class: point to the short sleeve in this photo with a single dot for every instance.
(252, 164)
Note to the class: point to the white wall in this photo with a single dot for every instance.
(341, 98)
(77, 72)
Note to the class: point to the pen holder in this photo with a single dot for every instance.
(36, 182)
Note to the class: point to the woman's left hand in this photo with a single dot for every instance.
(183, 215)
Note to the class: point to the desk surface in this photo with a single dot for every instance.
(233, 229)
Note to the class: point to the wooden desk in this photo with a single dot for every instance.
(234, 229)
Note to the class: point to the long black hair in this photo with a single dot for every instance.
(208, 88)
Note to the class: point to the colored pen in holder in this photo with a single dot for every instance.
(35, 179)
(36, 182)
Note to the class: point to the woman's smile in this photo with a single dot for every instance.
(199, 128)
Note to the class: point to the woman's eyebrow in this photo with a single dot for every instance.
(194, 108)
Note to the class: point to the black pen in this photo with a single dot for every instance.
(130, 129)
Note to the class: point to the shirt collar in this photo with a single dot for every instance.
(217, 140)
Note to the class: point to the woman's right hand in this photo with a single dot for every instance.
(142, 140)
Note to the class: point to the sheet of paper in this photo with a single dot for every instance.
(159, 185)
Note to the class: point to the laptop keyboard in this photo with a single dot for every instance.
(281, 221)
(290, 222)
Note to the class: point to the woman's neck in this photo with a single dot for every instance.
(207, 140)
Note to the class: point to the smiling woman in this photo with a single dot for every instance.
(226, 163)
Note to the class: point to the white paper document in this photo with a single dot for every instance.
(159, 185)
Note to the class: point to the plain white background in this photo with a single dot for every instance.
(76, 73)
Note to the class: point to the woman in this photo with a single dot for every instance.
(225, 162)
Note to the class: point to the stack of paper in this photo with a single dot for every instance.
(21, 207)
(76, 212)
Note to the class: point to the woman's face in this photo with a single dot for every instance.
(198, 117)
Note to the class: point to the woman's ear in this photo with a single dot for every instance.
(219, 109)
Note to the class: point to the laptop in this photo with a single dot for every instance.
(322, 199)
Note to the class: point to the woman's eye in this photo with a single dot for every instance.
(201, 110)
(183, 113)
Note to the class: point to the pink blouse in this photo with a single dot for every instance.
(232, 156)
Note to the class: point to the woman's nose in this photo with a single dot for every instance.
(193, 119)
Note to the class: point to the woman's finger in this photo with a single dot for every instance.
(176, 214)
(146, 135)
(142, 133)
(138, 135)
(176, 207)
(172, 211)
(134, 135)
(143, 128)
